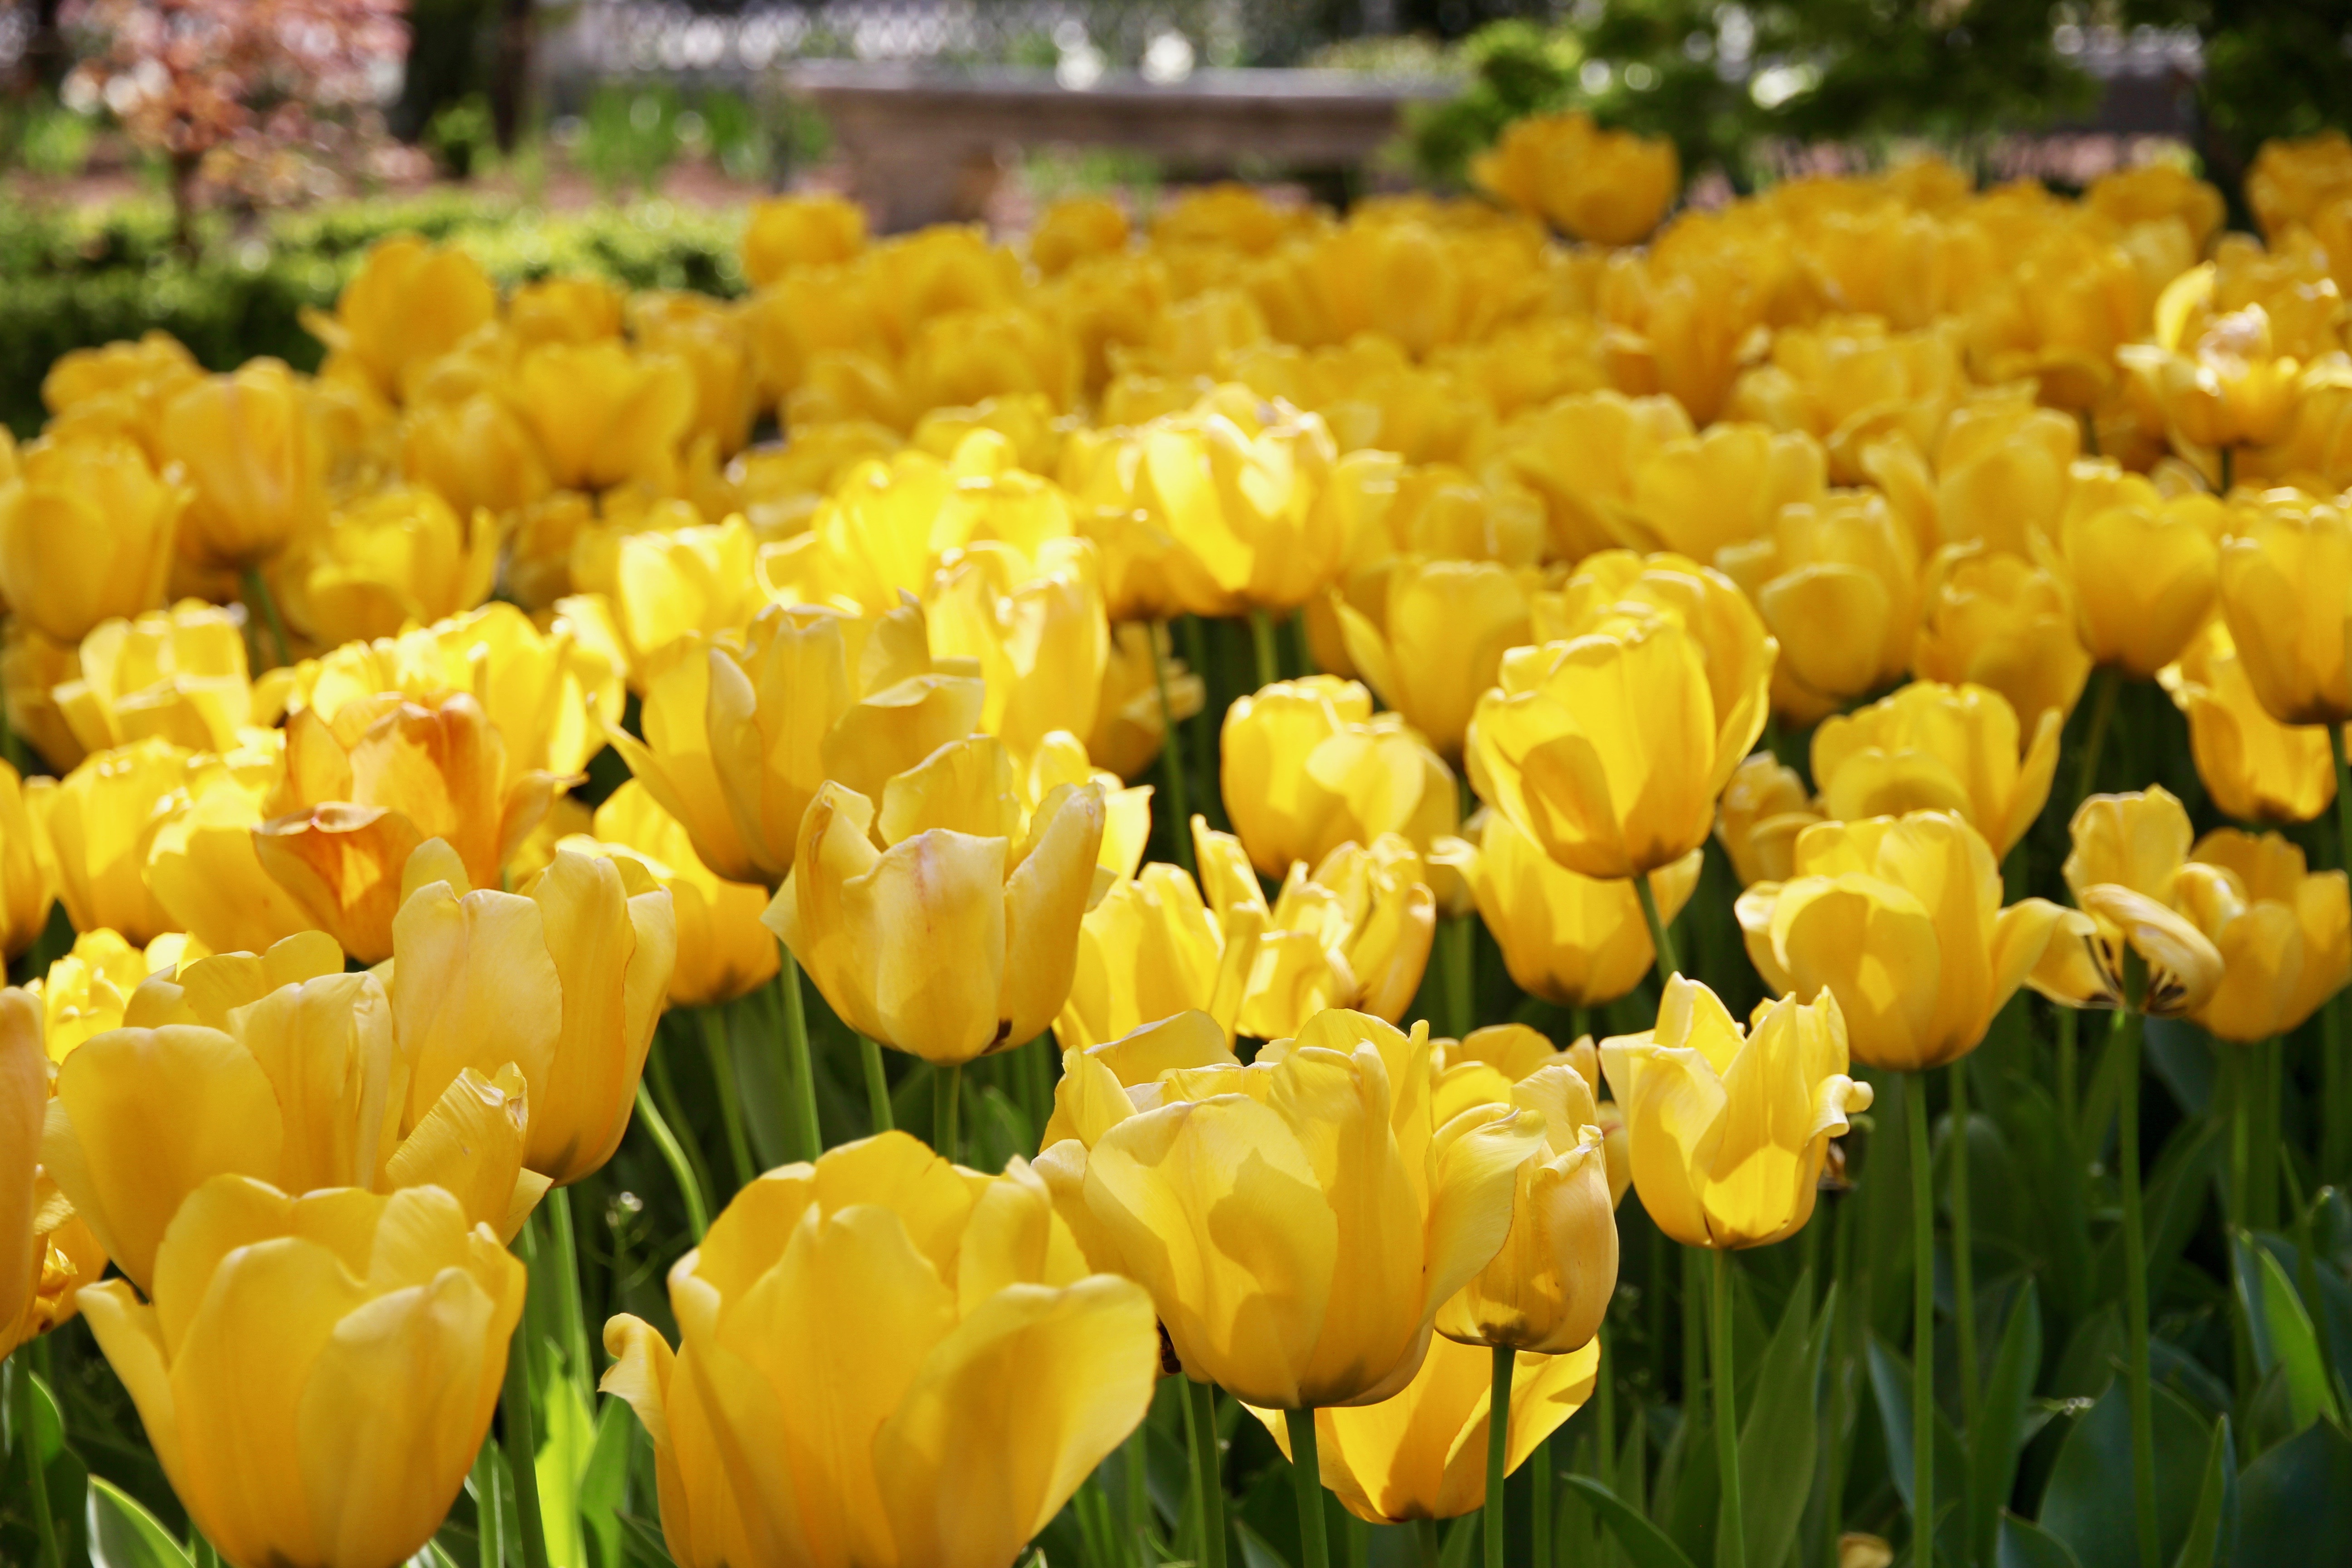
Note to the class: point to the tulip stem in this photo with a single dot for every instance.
(1540, 1509)
(1964, 1301)
(2228, 456)
(257, 596)
(878, 1084)
(2335, 1099)
(1201, 1410)
(571, 1316)
(2143, 1416)
(1734, 1529)
(1306, 1478)
(44, 1527)
(2094, 739)
(1171, 754)
(1923, 1323)
(522, 1447)
(799, 1077)
(1459, 955)
(490, 1531)
(1269, 664)
(697, 1213)
(1498, 1449)
(2068, 1109)
(731, 1104)
(946, 1088)
(1659, 937)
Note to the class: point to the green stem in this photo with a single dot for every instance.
(2095, 741)
(2229, 456)
(1269, 664)
(2243, 1073)
(572, 1318)
(1540, 1509)
(1660, 937)
(522, 1447)
(490, 1505)
(258, 594)
(800, 1078)
(2335, 1099)
(1734, 1529)
(1840, 1382)
(878, 1084)
(1457, 954)
(1204, 1400)
(1498, 1448)
(2135, 1369)
(731, 1101)
(1693, 1330)
(2069, 1102)
(1923, 1323)
(1137, 1497)
(946, 1089)
(1306, 1481)
(698, 1211)
(1428, 1553)
(1964, 1299)
(1171, 756)
(45, 1527)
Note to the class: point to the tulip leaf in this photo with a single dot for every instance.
(1256, 1552)
(2088, 1503)
(1460, 1540)
(432, 1555)
(48, 1421)
(1777, 1446)
(2024, 1544)
(123, 1534)
(2296, 1500)
(2202, 1549)
(1890, 1383)
(2283, 1333)
(643, 1543)
(1644, 1542)
(604, 1480)
(1998, 1434)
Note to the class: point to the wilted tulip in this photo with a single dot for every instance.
(2001, 622)
(45, 1253)
(2287, 593)
(883, 1359)
(2143, 566)
(1837, 582)
(1569, 939)
(384, 1320)
(87, 532)
(1438, 640)
(2284, 932)
(397, 556)
(100, 822)
(1932, 747)
(1307, 766)
(29, 872)
(566, 979)
(1756, 821)
(942, 863)
(1218, 1204)
(723, 951)
(1728, 1129)
(246, 443)
(2255, 768)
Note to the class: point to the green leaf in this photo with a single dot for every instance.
(2199, 1549)
(123, 1534)
(431, 1555)
(2282, 1333)
(2295, 1502)
(1256, 1552)
(1644, 1542)
(642, 1542)
(1778, 1446)
(2024, 1544)
(1460, 1540)
(566, 1438)
(604, 1479)
(1998, 1434)
(2088, 1503)
(48, 1421)
(1890, 1381)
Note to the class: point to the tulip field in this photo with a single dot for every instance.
(1560, 878)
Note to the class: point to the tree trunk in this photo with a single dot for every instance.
(511, 71)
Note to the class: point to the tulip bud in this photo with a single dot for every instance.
(1306, 766)
(246, 442)
(87, 532)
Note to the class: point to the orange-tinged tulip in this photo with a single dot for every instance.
(1438, 640)
(2284, 932)
(246, 443)
(723, 951)
(392, 557)
(2287, 593)
(1305, 767)
(384, 1324)
(100, 822)
(884, 1361)
(29, 871)
(45, 1253)
(1763, 810)
(2000, 621)
(2255, 768)
(1932, 747)
(86, 533)
(2143, 567)
(1569, 939)
(1728, 1129)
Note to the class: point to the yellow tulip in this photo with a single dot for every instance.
(86, 533)
(1582, 454)
(2255, 768)
(1932, 747)
(2001, 622)
(2059, 315)
(723, 951)
(1900, 918)
(1609, 749)
(1837, 583)
(385, 1323)
(1689, 330)
(884, 1361)
(1036, 631)
(476, 452)
(1569, 939)
(1438, 640)
(942, 863)
(2002, 472)
(409, 303)
(1354, 932)
(203, 866)
(364, 789)
(566, 979)
(280, 1068)
(1251, 1201)
(1098, 1082)
(739, 734)
(2287, 593)
(1488, 1061)
(1728, 1129)
(1763, 810)
(605, 415)
(2228, 387)
(28, 869)
(1131, 724)
(118, 388)
(1305, 767)
(1073, 228)
(1610, 188)
(2143, 567)
(966, 356)
(46, 1254)
(1852, 384)
(177, 675)
(247, 446)
(667, 585)
(787, 232)
(99, 822)
(395, 556)
(1607, 588)
(1696, 495)
(2155, 191)
(87, 989)
(2127, 850)
(2284, 932)
(1421, 1454)
(705, 336)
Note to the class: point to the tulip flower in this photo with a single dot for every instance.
(246, 443)
(1438, 640)
(566, 979)
(2143, 566)
(88, 988)
(45, 1253)
(1609, 749)
(787, 232)
(1837, 584)
(1582, 454)
(1100, 1083)
(1900, 918)
(409, 303)
(179, 676)
(384, 1320)
(2255, 768)
(2284, 933)
(1486, 1063)
(1610, 188)
(1038, 635)
(1728, 1129)
(1932, 747)
(1421, 1454)
(2140, 955)
(965, 356)
(666, 585)
(604, 415)
(2002, 473)
(1764, 807)
(883, 1359)
(704, 335)
(2287, 593)
(397, 556)
(119, 389)
(723, 951)
(942, 863)
(29, 872)
(1852, 382)
(1698, 495)
(476, 452)
(1217, 1204)
(100, 821)
(87, 534)
(2228, 387)
(1305, 767)
(1131, 719)
(1606, 588)
(363, 790)
(1569, 939)
(2001, 622)
(738, 735)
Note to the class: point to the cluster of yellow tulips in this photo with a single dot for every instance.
(403, 741)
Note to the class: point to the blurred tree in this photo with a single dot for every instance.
(2271, 70)
(449, 49)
